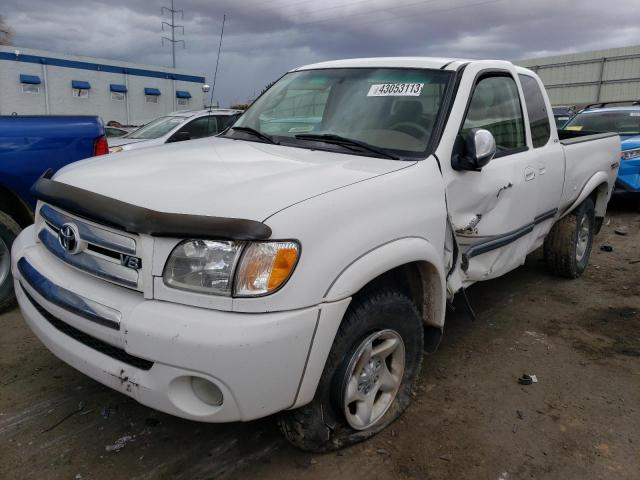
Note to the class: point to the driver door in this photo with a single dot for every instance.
(493, 211)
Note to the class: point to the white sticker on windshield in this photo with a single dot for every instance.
(396, 90)
(304, 129)
(635, 114)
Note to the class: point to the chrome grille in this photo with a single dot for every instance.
(101, 252)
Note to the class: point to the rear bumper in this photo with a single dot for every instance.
(258, 361)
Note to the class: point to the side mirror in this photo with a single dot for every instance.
(179, 137)
(478, 148)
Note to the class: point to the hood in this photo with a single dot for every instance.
(630, 142)
(221, 177)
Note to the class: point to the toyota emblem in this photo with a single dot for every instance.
(69, 238)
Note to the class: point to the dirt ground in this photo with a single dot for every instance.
(470, 419)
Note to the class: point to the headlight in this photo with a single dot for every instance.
(209, 266)
(202, 266)
(629, 154)
(115, 149)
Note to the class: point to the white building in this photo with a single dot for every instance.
(37, 82)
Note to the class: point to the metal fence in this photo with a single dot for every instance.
(590, 77)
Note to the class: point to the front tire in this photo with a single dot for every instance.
(369, 376)
(9, 230)
(567, 248)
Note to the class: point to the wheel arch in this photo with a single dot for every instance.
(600, 196)
(411, 264)
(12, 205)
(598, 187)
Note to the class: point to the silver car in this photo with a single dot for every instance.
(176, 127)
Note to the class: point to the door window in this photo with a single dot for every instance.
(201, 127)
(495, 106)
(226, 121)
(536, 111)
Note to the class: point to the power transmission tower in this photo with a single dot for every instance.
(173, 27)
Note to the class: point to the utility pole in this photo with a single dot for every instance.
(173, 27)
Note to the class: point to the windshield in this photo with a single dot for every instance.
(392, 109)
(561, 120)
(624, 122)
(156, 128)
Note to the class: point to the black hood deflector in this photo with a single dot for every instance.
(135, 219)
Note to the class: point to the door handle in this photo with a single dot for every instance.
(529, 174)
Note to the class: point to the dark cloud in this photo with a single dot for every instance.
(265, 38)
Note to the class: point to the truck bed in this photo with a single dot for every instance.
(588, 156)
(31, 144)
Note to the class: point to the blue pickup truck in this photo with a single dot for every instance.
(30, 145)
(626, 121)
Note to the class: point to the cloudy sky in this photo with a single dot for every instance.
(265, 38)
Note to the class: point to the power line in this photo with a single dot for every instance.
(273, 7)
(173, 27)
(236, 46)
(369, 21)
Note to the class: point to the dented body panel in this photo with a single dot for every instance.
(514, 200)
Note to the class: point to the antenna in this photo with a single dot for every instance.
(213, 87)
(173, 27)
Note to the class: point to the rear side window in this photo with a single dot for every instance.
(495, 106)
(537, 111)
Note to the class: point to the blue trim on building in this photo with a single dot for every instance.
(118, 87)
(151, 91)
(182, 94)
(30, 79)
(81, 84)
(59, 62)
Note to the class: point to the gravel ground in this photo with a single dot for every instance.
(470, 419)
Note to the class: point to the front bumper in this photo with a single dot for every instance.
(628, 176)
(152, 349)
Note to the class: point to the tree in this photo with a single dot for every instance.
(6, 34)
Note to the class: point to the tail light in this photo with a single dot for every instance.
(101, 147)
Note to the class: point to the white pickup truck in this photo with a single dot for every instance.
(301, 261)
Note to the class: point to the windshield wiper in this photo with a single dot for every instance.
(345, 142)
(256, 133)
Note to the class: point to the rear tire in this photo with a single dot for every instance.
(372, 368)
(9, 230)
(567, 248)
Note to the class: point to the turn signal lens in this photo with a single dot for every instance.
(265, 267)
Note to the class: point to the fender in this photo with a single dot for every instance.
(594, 182)
(388, 256)
(356, 275)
